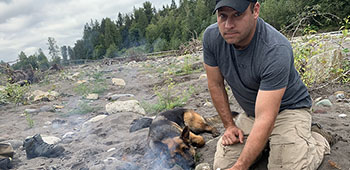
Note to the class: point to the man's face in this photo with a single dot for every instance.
(237, 28)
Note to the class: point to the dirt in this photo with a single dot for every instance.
(108, 144)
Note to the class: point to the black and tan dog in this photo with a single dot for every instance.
(173, 136)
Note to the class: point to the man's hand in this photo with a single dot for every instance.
(232, 136)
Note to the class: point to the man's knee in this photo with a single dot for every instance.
(226, 156)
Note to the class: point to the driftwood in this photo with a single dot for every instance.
(21, 77)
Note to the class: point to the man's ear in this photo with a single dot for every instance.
(256, 10)
(185, 135)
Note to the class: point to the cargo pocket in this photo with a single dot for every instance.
(289, 152)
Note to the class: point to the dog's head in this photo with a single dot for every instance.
(179, 149)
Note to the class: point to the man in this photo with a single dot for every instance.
(257, 62)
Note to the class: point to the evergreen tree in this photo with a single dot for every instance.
(64, 53)
(43, 63)
(71, 53)
(54, 51)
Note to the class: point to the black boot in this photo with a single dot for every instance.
(36, 147)
(5, 163)
(331, 139)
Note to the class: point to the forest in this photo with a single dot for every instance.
(147, 29)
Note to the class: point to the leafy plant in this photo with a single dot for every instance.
(14, 93)
(97, 86)
(169, 97)
(29, 119)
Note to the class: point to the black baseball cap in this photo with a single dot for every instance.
(238, 5)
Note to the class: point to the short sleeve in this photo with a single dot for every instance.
(275, 73)
(208, 49)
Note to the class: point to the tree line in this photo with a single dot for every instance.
(149, 30)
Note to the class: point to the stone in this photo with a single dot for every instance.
(39, 95)
(324, 103)
(68, 135)
(47, 109)
(118, 82)
(208, 104)
(203, 166)
(92, 96)
(31, 111)
(51, 139)
(141, 123)
(125, 106)
(110, 150)
(114, 97)
(15, 143)
(81, 82)
(58, 107)
(97, 118)
(340, 95)
(203, 77)
(342, 115)
(94, 119)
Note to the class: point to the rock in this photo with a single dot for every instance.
(203, 77)
(324, 103)
(342, 115)
(321, 111)
(318, 99)
(92, 96)
(118, 82)
(31, 111)
(110, 150)
(141, 123)
(94, 119)
(75, 75)
(15, 143)
(39, 95)
(97, 118)
(340, 95)
(47, 123)
(203, 166)
(47, 109)
(110, 160)
(125, 106)
(208, 104)
(114, 97)
(81, 82)
(97, 167)
(51, 139)
(58, 107)
(68, 135)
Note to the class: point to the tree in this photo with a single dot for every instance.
(43, 63)
(111, 51)
(22, 63)
(64, 52)
(71, 53)
(54, 51)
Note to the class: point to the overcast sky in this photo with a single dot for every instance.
(25, 25)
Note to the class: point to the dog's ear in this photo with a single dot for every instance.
(185, 135)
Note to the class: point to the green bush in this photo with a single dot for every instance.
(14, 93)
(169, 97)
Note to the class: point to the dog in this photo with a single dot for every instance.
(173, 134)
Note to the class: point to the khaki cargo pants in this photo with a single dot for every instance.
(6, 150)
(292, 144)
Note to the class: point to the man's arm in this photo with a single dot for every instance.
(219, 96)
(266, 109)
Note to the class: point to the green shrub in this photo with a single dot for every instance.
(14, 93)
(169, 97)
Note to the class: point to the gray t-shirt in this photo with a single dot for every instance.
(266, 64)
